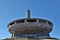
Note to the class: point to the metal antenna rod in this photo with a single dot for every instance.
(28, 14)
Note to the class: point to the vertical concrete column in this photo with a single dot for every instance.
(25, 20)
(46, 22)
(37, 21)
(13, 34)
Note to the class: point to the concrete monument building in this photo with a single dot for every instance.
(33, 28)
(30, 27)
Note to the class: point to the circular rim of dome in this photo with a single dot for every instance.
(30, 19)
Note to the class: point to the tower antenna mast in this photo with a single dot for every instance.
(28, 14)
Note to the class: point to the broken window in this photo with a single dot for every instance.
(31, 20)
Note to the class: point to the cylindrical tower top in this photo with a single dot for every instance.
(28, 14)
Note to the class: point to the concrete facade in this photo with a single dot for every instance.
(30, 39)
(30, 29)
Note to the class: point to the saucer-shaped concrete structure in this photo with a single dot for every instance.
(30, 27)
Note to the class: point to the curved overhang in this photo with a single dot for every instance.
(43, 20)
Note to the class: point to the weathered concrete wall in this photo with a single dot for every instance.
(30, 39)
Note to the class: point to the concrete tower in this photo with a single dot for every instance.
(30, 27)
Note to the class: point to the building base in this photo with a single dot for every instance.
(30, 39)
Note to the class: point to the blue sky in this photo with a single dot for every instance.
(16, 9)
